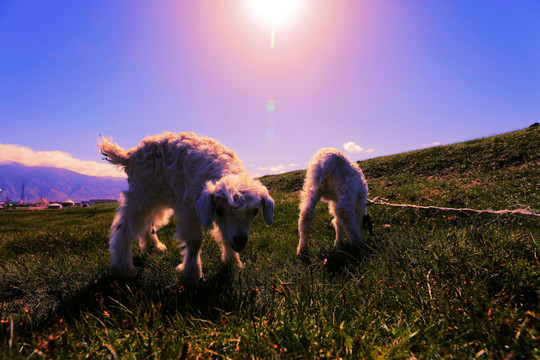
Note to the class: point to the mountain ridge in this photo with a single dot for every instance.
(55, 184)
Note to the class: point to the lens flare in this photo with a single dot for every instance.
(270, 105)
(275, 10)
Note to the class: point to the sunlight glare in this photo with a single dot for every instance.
(275, 10)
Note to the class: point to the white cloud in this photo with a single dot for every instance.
(435, 143)
(275, 169)
(10, 153)
(355, 149)
(352, 147)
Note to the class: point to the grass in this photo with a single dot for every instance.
(429, 284)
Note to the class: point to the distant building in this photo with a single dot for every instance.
(68, 203)
(100, 201)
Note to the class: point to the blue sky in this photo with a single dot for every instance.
(381, 76)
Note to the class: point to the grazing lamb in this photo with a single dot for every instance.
(198, 179)
(336, 179)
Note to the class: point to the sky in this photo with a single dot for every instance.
(371, 78)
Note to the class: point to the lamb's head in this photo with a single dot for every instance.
(231, 203)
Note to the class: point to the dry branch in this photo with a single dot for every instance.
(384, 202)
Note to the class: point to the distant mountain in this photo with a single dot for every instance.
(56, 184)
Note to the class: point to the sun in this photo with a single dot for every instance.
(275, 11)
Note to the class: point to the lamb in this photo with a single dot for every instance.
(332, 177)
(198, 179)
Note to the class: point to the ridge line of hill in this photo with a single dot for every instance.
(511, 151)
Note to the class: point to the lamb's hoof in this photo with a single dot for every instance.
(234, 263)
(302, 251)
(304, 254)
(233, 260)
(189, 274)
(157, 249)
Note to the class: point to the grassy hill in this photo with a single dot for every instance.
(430, 284)
(458, 174)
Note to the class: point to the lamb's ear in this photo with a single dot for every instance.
(267, 204)
(205, 208)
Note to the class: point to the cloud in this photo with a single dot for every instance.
(10, 153)
(435, 143)
(275, 169)
(352, 147)
(355, 149)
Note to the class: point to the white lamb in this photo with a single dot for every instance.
(332, 177)
(199, 179)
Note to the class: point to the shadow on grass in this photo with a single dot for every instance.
(342, 259)
(207, 298)
(346, 258)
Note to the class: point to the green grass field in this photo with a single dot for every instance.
(429, 284)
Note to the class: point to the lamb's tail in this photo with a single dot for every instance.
(113, 153)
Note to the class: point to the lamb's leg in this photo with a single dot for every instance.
(127, 226)
(307, 214)
(361, 215)
(338, 226)
(189, 230)
(228, 255)
(149, 242)
(346, 214)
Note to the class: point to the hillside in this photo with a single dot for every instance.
(55, 184)
(427, 285)
(459, 174)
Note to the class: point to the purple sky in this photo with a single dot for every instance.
(383, 76)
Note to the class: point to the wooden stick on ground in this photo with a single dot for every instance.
(384, 202)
